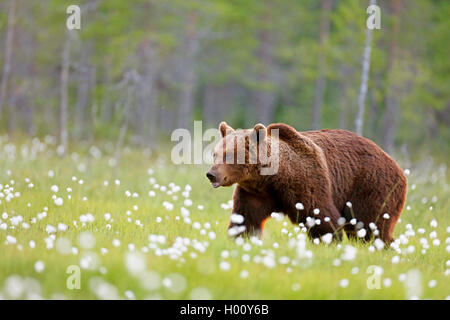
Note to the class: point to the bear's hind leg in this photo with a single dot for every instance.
(328, 218)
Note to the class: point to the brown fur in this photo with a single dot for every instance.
(321, 169)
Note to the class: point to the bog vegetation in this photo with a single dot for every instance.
(85, 226)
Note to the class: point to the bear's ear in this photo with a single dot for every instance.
(225, 129)
(260, 132)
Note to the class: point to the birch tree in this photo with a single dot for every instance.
(321, 63)
(364, 78)
(64, 92)
(7, 54)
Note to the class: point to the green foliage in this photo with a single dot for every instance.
(228, 36)
(316, 278)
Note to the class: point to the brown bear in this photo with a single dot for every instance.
(328, 181)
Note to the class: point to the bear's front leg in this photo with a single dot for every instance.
(254, 208)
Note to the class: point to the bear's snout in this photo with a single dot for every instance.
(213, 179)
(211, 176)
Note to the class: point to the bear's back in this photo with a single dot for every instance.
(354, 162)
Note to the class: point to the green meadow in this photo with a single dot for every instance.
(86, 227)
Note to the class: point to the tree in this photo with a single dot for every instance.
(324, 29)
(364, 79)
(7, 54)
(187, 67)
(391, 97)
(64, 92)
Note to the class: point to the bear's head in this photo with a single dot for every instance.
(238, 156)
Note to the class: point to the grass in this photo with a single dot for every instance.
(206, 267)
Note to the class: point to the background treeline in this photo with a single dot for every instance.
(139, 69)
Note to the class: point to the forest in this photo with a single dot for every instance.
(136, 70)
(94, 207)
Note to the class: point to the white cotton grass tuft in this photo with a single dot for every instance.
(135, 262)
(413, 284)
(327, 238)
(433, 223)
(59, 201)
(39, 266)
(224, 266)
(343, 283)
(276, 216)
(63, 246)
(361, 233)
(236, 230)
(237, 218)
(299, 206)
(86, 240)
(379, 244)
(349, 253)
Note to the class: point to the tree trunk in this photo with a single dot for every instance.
(324, 29)
(83, 92)
(131, 80)
(217, 103)
(262, 99)
(364, 79)
(64, 92)
(392, 91)
(191, 44)
(148, 95)
(345, 73)
(8, 54)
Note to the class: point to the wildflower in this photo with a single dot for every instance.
(361, 233)
(349, 253)
(59, 201)
(433, 223)
(244, 274)
(50, 229)
(344, 283)
(224, 266)
(11, 239)
(237, 218)
(395, 259)
(327, 238)
(39, 266)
